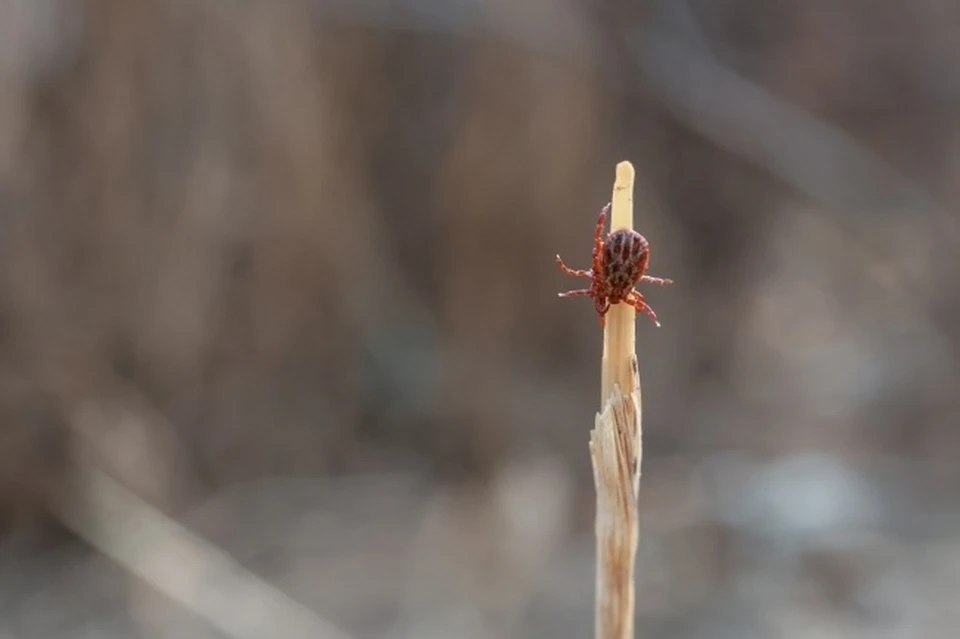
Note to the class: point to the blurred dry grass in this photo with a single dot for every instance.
(244, 241)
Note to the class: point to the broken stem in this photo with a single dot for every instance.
(616, 450)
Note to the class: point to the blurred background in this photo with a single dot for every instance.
(281, 353)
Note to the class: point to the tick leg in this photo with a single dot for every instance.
(586, 292)
(570, 271)
(601, 223)
(656, 280)
(602, 307)
(636, 300)
(598, 237)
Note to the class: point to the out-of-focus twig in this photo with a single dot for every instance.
(197, 575)
(821, 161)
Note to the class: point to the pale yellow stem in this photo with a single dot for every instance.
(616, 450)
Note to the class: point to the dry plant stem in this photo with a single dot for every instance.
(616, 450)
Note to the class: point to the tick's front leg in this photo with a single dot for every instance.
(570, 271)
(598, 237)
(655, 280)
(586, 292)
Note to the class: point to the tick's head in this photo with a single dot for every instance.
(624, 261)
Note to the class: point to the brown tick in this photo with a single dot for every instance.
(619, 262)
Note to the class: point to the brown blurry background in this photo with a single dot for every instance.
(285, 271)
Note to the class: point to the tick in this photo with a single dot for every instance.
(620, 262)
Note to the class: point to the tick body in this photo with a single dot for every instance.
(620, 262)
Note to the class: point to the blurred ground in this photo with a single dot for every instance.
(285, 271)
